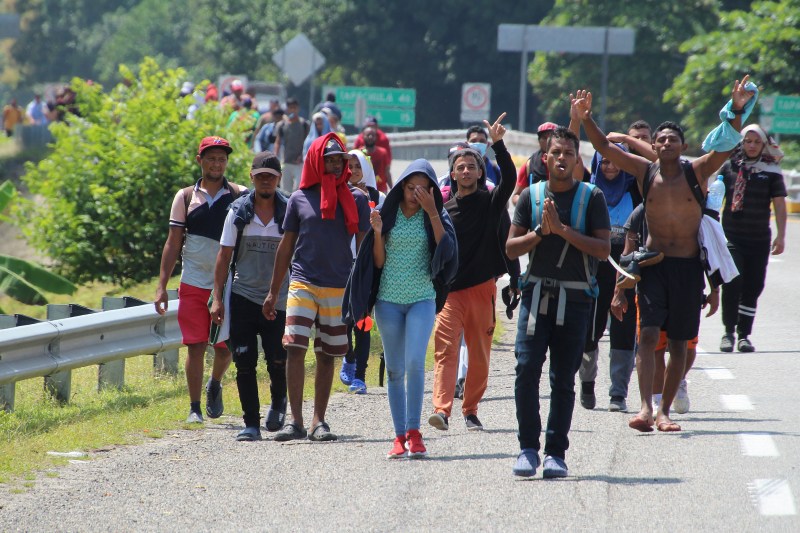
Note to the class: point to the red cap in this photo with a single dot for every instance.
(214, 142)
(236, 85)
(546, 126)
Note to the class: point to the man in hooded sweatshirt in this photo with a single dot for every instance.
(322, 217)
(477, 215)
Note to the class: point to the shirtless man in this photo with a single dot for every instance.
(670, 293)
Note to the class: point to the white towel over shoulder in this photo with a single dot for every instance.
(712, 237)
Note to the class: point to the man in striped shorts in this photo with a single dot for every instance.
(321, 218)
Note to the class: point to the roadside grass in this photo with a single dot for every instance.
(150, 405)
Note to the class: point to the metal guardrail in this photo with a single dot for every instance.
(436, 143)
(53, 348)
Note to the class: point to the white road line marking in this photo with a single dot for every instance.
(736, 402)
(773, 497)
(719, 373)
(758, 445)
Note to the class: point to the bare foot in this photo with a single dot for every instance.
(641, 422)
(665, 424)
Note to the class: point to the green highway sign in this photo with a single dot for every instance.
(780, 113)
(373, 96)
(780, 104)
(392, 107)
(395, 118)
(788, 125)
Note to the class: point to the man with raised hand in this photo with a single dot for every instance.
(670, 293)
(477, 216)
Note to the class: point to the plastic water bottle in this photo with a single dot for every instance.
(716, 193)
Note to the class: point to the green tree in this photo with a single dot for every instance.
(58, 39)
(764, 42)
(108, 185)
(636, 83)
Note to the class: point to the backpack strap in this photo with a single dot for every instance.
(688, 173)
(187, 199)
(694, 185)
(577, 215)
(652, 170)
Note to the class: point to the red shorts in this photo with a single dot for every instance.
(193, 316)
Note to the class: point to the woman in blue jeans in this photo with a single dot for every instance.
(404, 266)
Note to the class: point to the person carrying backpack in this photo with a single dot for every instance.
(564, 225)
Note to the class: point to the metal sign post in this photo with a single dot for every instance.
(571, 39)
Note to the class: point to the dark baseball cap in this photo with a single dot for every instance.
(214, 142)
(334, 148)
(266, 162)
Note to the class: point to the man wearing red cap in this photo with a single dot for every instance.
(322, 217)
(195, 226)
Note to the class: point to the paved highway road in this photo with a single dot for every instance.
(734, 467)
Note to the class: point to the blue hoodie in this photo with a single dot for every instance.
(361, 291)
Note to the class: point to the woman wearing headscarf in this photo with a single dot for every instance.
(320, 126)
(622, 196)
(753, 181)
(404, 266)
(354, 366)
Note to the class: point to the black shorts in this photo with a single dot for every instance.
(671, 296)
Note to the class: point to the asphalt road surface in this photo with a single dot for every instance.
(734, 467)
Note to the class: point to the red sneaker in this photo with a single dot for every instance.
(416, 448)
(398, 450)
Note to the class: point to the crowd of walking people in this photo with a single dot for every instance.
(322, 240)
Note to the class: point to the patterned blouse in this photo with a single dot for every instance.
(406, 277)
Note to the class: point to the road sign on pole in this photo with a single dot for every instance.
(299, 60)
(572, 39)
(476, 99)
(780, 113)
(392, 107)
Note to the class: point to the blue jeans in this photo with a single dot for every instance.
(405, 330)
(566, 351)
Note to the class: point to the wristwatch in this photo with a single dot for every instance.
(538, 230)
(737, 111)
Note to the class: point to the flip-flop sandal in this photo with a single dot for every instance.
(321, 433)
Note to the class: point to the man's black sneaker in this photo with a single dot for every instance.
(726, 344)
(439, 421)
(588, 399)
(745, 345)
(472, 422)
(214, 407)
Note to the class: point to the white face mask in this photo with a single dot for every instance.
(479, 147)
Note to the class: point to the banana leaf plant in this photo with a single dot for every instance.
(23, 280)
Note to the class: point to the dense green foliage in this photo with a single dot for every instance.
(687, 53)
(108, 185)
(636, 83)
(764, 42)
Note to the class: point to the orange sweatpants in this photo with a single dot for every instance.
(469, 311)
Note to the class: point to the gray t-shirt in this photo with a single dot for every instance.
(322, 256)
(292, 136)
(255, 260)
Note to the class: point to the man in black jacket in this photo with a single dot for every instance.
(470, 307)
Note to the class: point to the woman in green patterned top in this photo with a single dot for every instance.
(411, 245)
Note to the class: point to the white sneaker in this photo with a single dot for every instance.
(656, 402)
(681, 403)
